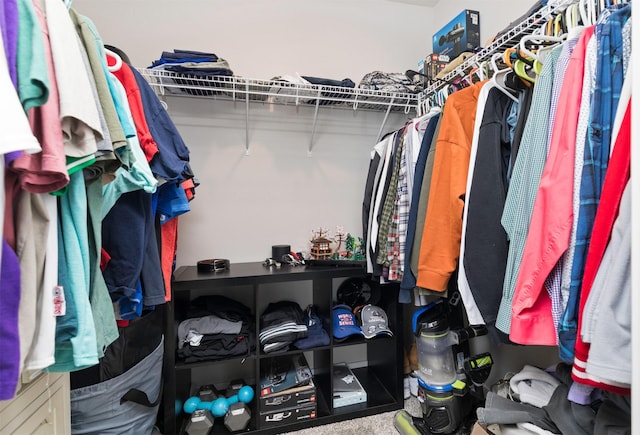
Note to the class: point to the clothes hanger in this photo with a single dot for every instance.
(478, 71)
(573, 20)
(524, 50)
(509, 56)
(498, 77)
(116, 57)
(571, 17)
(559, 25)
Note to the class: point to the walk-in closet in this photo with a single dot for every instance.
(381, 217)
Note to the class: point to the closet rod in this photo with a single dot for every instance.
(525, 27)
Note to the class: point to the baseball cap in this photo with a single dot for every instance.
(373, 321)
(344, 323)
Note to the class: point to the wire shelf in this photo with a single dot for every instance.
(277, 92)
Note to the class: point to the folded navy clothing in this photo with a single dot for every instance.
(179, 56)
(344, 83)
(200, 72)
(193, 53)
(316, 336)
(179, 60)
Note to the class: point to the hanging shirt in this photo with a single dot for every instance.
(118, 138)
(553, 283)
(79, 116)
(76, 345)
(486, 244)
(588, 86)
(607, 311)
(33, 77)
(387, 206)
(375, 165)
(473, 313)
(46, 171)
(41, 353)
(172, 160)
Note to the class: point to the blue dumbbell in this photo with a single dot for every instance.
(220, 406)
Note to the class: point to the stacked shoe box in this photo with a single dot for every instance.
(287, 391)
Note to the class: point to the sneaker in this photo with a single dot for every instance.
(413, 384)
(407, 388)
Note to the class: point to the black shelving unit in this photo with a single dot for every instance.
(256, 285)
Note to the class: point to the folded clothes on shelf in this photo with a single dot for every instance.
(192, 72)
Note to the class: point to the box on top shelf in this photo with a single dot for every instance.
(459, 35)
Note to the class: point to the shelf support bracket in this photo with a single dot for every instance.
(315, 121)
(246, 130)
(386, 115)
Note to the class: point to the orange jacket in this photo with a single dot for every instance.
(440, 245)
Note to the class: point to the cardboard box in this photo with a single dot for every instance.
(283, 372)
(347, 389)
(459, 35)
(287, 416)
(295, 397)
(434, 63)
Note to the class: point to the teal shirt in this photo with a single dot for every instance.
(76, 345)
(33, 76)
(136, 177)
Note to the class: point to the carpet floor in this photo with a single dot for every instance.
(379, 424)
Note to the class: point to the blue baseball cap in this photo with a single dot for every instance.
(344, 323)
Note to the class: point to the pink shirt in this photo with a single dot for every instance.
(46, 171)
(552, 217)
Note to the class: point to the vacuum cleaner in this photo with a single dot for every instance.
(449, 382)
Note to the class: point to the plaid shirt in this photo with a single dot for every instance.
(609, 78)
(588, 86)
(398, 232)
(389, 202)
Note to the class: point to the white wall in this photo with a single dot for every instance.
(277, 195)
(262, 39)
